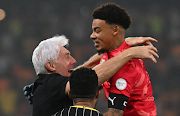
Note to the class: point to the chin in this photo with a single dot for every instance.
(68, 74)
(101, 51)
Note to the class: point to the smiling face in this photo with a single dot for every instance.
(64, 63)
(103, 35)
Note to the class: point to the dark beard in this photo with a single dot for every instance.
(101, 51)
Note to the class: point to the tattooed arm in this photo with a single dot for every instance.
(114, 112)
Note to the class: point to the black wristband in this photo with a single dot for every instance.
(117, 101)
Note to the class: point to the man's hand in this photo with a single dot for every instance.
(143, 52)
(134, 41)
(28, 92)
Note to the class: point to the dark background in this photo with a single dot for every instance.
(27, 22)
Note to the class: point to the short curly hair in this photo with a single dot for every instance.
(83, 83)
(112, 14)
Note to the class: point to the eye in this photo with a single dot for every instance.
(97, 31)
(67, 56)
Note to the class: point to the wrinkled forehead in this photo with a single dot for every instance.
(63, 50)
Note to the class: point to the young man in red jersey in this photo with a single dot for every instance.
(129, 91)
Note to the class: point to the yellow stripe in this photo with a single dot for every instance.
(86, 108)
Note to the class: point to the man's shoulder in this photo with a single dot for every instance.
(50, 82)
(51, 77)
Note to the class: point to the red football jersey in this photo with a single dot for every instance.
(133, 81)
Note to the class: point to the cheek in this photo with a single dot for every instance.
(63, 69)
(65, 66)
(104, 42)
(105, 37)
(60, 66)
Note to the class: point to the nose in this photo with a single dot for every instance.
(73, 61)
(92, 36)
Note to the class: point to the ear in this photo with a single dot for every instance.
(50, 66)
(97, 94)
(69, 94)
(115, 29)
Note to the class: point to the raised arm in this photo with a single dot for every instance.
(131, 41)
(108, 68)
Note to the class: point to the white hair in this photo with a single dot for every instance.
(47, 50)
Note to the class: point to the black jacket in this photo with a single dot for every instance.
(49, 94)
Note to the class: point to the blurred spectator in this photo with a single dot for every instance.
(8, 98)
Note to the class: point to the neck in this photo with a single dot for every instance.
(118, 39)
(86, 103)
(119, 42)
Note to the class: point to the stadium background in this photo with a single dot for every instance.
(27, 22)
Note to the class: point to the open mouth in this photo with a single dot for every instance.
(96, 43)
(70, 70)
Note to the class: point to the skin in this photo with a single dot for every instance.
(114, 112)
(106, 37)
(64, 63)
(85, 102)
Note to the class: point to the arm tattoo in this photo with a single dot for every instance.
(114, 112)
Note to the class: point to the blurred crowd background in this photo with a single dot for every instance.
(28, 22)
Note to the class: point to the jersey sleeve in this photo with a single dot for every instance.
(117, 101)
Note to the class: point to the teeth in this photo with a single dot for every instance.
(96, 42)
(71, 70)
